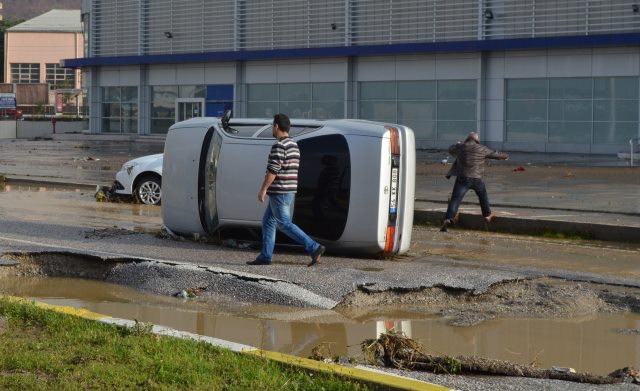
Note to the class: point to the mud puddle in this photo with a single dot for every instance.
(598, 343)
(74, 206)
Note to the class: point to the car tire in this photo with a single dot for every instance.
(149, 190)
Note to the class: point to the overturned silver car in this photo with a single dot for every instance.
(356, 181)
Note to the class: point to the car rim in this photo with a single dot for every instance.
(149, 193)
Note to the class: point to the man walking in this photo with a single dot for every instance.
(469, 170)
(280, 184)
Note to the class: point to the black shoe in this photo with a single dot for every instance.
(315, 257)
(445, 225)
(259, 261)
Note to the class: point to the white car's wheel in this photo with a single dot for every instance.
(149, 191)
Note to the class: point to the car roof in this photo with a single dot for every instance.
(253, 127)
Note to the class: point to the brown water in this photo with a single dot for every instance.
(67, 205)
(594, 344)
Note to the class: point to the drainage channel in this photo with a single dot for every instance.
(598, 344)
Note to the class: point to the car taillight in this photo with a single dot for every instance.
(395, 141)
(393, 194)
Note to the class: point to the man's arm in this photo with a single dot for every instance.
(269, 177)
(498, 155)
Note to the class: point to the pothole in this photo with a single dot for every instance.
(536, 298)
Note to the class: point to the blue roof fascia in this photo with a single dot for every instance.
(366, 50)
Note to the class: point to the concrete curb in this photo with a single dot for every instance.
(593, 231)
(361, 373)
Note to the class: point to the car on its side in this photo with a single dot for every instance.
(356, 181)
(141, 178)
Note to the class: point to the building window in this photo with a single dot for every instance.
(297, 100)
(442, 110)
(163, 108)
(163, 104)
(615, 110)
(25, 73)
(456, 113)
(59, 77)
(119, 109)
(572, 110)
(526, 110)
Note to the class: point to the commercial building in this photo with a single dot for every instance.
(532, 75)
(32, 54)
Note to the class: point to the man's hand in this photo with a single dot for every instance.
(261, 195)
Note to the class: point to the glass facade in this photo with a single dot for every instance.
(601, 110)
(435, 110)
(298, 100)
(59, 77)
(163, 104)
(25, 73)
(119, 109)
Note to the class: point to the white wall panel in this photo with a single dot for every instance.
(616, 64)
(328, 71)
(569, 66)
(416, 69)
(162, 76)
(458, 69)
(129, 76)
(293, 73)
(519, 67)
(190, 74)
(376, 70)
(109, 78)
(267, 73)
(219, 73)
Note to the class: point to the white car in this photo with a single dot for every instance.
(141, 178)
(356, 181)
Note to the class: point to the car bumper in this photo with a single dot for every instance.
(123, 183)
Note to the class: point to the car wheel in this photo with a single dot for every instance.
(149, 191)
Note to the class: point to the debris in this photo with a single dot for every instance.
(103, 193)
(569, 174)
(182, 294)
(519, 168)
(190, 293)
(399, 351)
(627, 374)
(563, 369)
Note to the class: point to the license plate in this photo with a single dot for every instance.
(393, 201)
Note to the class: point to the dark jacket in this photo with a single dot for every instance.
(470, 157)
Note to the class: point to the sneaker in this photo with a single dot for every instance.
(315, 257)
(490, 217)
(445, 225)
(259, 261)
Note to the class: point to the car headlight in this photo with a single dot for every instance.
(128, 167)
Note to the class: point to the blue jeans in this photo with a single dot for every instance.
(462, 186)
(278, 214)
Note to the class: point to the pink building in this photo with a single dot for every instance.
(32, 54)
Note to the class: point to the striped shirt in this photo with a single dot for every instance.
(284, 160)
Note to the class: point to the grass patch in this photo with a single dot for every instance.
(42, 350)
